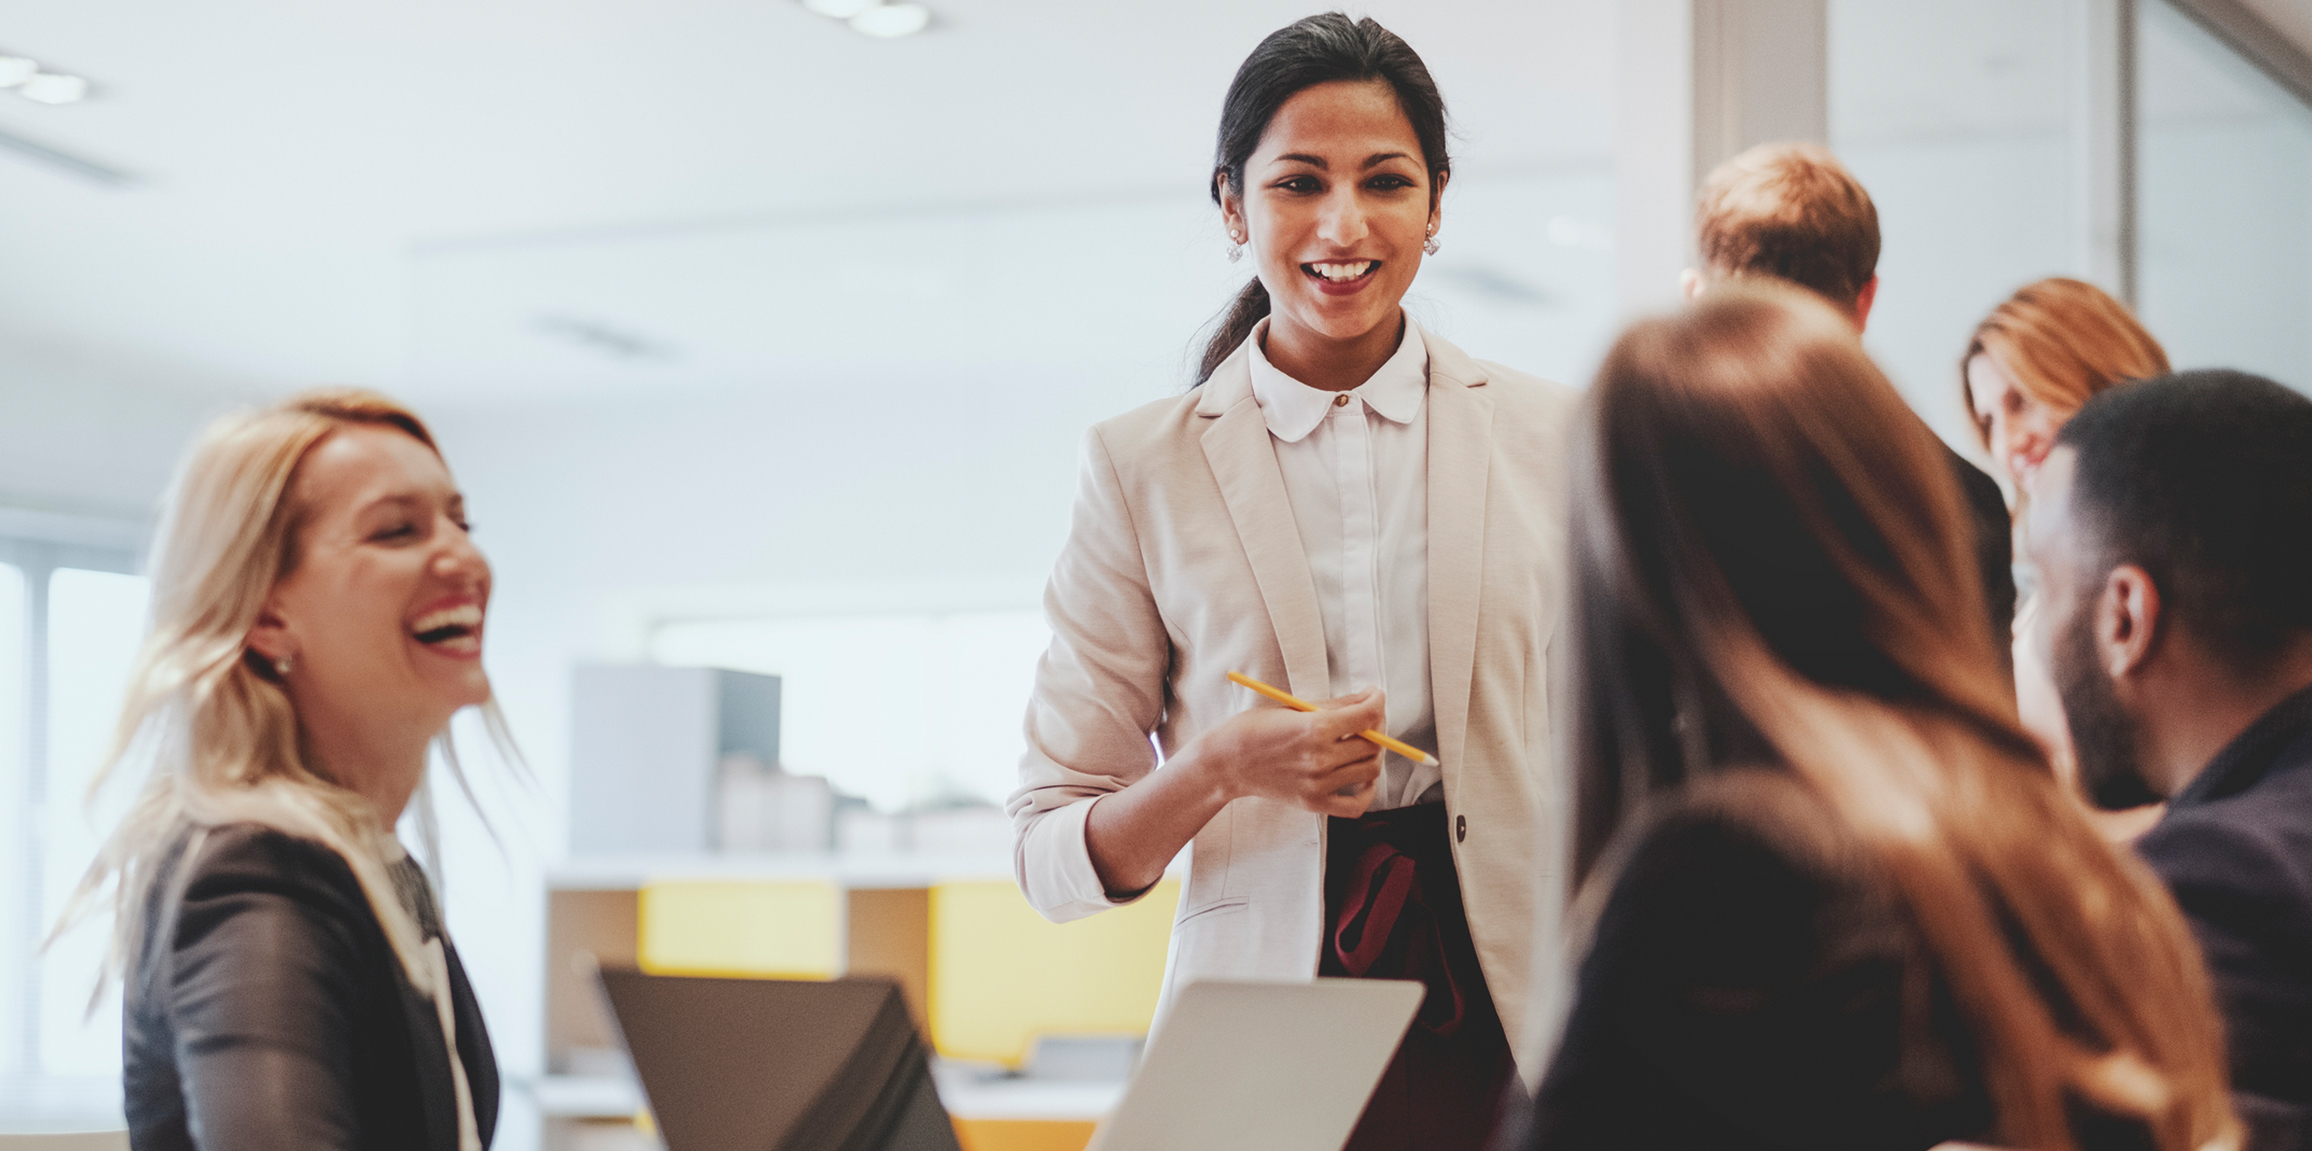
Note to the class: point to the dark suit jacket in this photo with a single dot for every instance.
(1994, 546)
(1754, 982)
(2236, 848)
(268, 1010)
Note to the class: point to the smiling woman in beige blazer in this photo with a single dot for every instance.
(1346, 504)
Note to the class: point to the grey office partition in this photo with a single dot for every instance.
(646, 743)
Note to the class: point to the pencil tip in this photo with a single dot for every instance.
(1430, 761)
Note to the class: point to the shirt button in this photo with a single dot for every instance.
(1460, 828)
(1341, 401)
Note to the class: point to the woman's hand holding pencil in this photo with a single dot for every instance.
(1307, 756)
(1296, 703)
(1310, 757)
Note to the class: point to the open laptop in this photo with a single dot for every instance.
(784, 1065)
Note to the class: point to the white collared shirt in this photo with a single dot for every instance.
(1356, 471)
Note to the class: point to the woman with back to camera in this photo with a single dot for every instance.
(1835, 898)
(2036, 359)
(1355, 511)
(317, 619)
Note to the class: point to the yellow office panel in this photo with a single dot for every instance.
(1023, 1134)
(761, 930)
(1002, 975)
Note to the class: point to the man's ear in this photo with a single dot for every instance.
(1862, 303)
(1690, 283)
(2127, 619)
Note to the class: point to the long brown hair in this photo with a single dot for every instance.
(2061, 341)
(1773, 567)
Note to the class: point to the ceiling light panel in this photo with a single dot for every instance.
(41, 85)
(889, 20)
(53, 88)
(882, 19)
(840, 9)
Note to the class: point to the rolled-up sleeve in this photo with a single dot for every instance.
(1100, 691)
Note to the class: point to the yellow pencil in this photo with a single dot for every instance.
(1295, 702)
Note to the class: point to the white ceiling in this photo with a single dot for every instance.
(318, 181)
(495, 201)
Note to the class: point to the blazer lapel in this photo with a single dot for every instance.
(1236, 445)
(1460, 449)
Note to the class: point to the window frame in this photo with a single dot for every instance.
(38, 559)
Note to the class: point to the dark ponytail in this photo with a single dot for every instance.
(1318, 50)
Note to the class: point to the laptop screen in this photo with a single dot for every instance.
(779, 1065)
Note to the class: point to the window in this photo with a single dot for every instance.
(18, 931)
(96, 619)
(1956, 117)
(70, 623)
(2226, 161)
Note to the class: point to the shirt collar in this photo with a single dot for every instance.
(2252, 753)
(1294, 409)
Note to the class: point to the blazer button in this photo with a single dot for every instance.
(1460, 828)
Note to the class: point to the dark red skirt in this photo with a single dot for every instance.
(1393, 906)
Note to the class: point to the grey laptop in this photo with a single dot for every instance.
(1261, 1066)
(780, 1065)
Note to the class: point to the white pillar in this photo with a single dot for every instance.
(1699, 81)
(2103, 230)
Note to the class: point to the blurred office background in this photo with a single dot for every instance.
(764, 344)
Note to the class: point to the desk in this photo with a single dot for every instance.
(588, 1095)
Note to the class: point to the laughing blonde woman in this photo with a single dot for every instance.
(317, 619)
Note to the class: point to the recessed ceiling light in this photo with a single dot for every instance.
(51, 88)
(15, 70)
(839, 9)
(892, 20)
(603, 338)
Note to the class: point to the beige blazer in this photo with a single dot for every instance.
(1183, 564)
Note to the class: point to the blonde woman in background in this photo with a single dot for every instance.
(317, 619)
(2036, 359)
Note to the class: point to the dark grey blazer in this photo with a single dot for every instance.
(1994, 545)
(2236, 849)
(268, 1010)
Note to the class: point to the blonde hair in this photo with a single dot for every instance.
(2061, 341)
(212, 713)
(1756, 581)
(1791, 212)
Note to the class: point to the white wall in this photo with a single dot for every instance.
(2227, 238)
(94, 432)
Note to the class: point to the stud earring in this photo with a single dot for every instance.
(281, 667)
